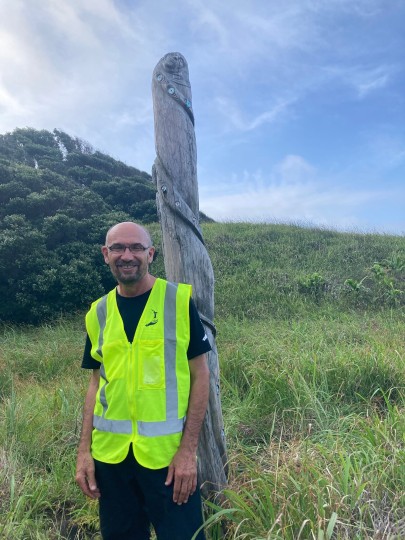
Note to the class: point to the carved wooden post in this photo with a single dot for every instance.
(186, 258)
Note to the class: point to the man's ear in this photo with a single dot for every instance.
(151, 255)
(104, 251)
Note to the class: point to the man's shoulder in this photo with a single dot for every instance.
(104, 297)
(160, 282)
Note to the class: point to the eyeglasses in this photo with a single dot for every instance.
(133, 248)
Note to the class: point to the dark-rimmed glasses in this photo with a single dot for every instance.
(133, 248)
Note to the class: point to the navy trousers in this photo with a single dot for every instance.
(133, 498)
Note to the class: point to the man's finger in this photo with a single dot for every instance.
(88, 485)
(177, 489)
(186, 489)
(169, 477)
(91, 481)
(82, 483)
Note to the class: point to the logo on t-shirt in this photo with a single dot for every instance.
(154, 320)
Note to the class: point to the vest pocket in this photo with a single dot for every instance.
(152, 372)
(151, 368)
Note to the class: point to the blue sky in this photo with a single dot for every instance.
(299, 104)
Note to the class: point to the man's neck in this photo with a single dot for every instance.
(136, 289)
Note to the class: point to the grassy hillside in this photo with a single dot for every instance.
(310, 340)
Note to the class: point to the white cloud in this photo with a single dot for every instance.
(363, 80)
(303, 203)
(372, 84)
(234, 116)
(9, 103)
(208, 23)
(293, 192)
(81, 66)
(294, 169)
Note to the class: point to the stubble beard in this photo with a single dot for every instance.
(132, 279)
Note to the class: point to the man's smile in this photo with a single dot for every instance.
(128, 266)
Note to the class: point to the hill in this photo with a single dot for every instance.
(58, 196)
(43, 173)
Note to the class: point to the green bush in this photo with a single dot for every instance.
(58, 198)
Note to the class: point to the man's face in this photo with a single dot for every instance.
(128, 266)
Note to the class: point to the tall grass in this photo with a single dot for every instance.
(315, 422)
(310, 340)
(42, 395)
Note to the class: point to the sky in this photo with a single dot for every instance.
(299, 104)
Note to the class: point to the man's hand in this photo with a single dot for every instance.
(183, 469)
(85, 476)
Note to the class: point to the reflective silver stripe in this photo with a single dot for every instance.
(112, 426)
(154, 429)
(101, 311)
(170, 352)
(103, 398)
(172, 424)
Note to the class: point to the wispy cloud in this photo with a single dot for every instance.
(374, 80)
(234, 117)
(364, 80)
(311, 202)
(82, 66)
(293, 192)
(206, 21)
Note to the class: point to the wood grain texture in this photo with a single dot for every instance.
(185, 255)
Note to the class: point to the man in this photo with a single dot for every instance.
(146, 400)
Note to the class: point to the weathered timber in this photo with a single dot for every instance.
(185, 255)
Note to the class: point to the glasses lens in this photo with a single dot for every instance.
(135, 248)
(117, 248)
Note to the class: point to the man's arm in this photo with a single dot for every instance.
(183, 468)
(85, 465)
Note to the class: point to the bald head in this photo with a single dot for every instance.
(128, 229)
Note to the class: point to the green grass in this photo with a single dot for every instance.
(310, 341)
(314, 417)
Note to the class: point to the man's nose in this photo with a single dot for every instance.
(127, 254)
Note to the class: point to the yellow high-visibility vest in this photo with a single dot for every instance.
(144, 385)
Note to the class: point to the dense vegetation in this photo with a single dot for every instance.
(58, 196)
(310, 341)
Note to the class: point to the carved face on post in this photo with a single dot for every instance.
(175, 66)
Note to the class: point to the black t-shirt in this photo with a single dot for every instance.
(131, 309)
